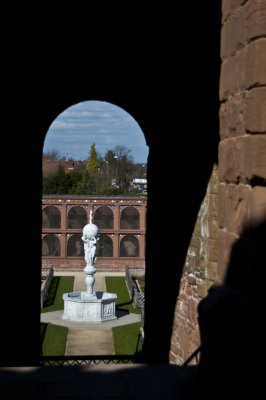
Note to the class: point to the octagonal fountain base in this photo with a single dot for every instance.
(84, 307)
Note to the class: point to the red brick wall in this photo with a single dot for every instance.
(115, 263)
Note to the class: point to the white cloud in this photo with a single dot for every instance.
(106, 125)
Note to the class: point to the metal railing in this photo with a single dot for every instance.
(50, 361)
(47, 276)
(132, 275)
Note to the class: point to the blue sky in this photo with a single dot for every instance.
(74, 131)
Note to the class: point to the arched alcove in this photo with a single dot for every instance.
(105, 246)
(50, 246)
(75, 246)
(77, 217)
(51, 217)
(103, 217)
(129, 246)
(129, 218)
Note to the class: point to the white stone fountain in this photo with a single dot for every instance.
(89, 306)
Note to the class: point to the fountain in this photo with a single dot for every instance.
(89, 306)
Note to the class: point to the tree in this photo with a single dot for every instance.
(61, 182)
(93, 161)
(108, 175)
(53, 154)
(124, 167)
(86, 185)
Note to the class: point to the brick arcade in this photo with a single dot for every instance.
(121, 222)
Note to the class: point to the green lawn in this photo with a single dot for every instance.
(59, 286)
(53, 337)
(125, 336)
(117, 284)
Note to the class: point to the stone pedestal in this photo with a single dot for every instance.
(85, 307)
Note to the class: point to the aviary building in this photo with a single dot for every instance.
(121, 222)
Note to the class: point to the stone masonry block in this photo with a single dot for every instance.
(255, 114)
(231, 115)
(251, 158)
(227, 160)
(256, 19)
(238, 3)
(230, 6)
(222, 119)
(255, 64)
(227, 87)
(232, 75)
(226, 9)
(236, 208)
(233, 33)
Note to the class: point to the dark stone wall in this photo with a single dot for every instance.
(168, 85)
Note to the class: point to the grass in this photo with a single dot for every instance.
(59, 286)
(117, 284)
(125, 336)
(53, 337)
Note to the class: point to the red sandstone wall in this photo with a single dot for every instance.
(200, 272)
(242, 150)
(239, 198)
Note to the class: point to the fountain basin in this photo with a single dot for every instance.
(86, 307)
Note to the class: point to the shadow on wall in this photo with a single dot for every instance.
(232, 319)
(232, 326)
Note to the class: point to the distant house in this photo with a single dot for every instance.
(51, 166)
(139, 184)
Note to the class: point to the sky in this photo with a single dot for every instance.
(74, 131)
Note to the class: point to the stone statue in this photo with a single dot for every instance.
(90, 243)
(89, 306)
(90, 238)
